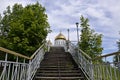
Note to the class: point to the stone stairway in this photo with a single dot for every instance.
(58, 65)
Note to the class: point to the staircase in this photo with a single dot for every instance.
(58, 65)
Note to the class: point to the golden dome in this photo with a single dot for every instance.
(60, 36)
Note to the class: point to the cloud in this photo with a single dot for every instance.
(103, 17)
(5, 3)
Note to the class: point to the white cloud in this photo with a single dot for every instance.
(104, 18)
(5, 3)
(103, 15)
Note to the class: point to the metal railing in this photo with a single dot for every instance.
(83, 61)
(107, 67)
(103, 67)
(12, 70)
(23, 67)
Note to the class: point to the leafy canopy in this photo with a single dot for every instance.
(90, 42)
(23, 28)
(116, 58)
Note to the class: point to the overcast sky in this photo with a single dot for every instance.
(104, 17)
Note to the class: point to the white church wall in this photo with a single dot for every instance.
(60, 43)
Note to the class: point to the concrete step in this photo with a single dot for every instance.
(61, 71)
(59, 78)
(58, 68)
(50, 66)
(58, 65)
(59, 74)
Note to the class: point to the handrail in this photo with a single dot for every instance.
(18, 54)
(13, 53)
(85, 54)
(36, 52)
(83, 60)
(106, 55)
(26, 70)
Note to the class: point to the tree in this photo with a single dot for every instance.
(0, 24)
(24, 28)
(116, 58)
(90, 41)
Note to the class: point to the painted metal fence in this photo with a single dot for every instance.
(108, 68)
(105, 67)
(23, 67)
(82, 60)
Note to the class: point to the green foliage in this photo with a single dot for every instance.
(24, 28)
(117, 57)
(90, 41)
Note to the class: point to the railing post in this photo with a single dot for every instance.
(4, 70)
(16, 69)
(92, 70)
(29, 71)
(78, 55)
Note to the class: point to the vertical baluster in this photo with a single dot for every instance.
(84, 64)
(81, 59)
(100, 65)
(111, 71)
(92, 70)
(98, 71)
(8, 76)
(39, 60)
(12, 76)
(29, 70)
(103, 69)
(107, 76)
(5, 68)
(22, 73)
(89, 66)
(16, 69)
(26, 71)
(32, 67)
(98, 74)
(25, 75)
(35, 62)
(116, 78)
(106, 68)
(95, 72)
(118, 64)
(108, 73)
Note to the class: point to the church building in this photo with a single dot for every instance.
(60, 40)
